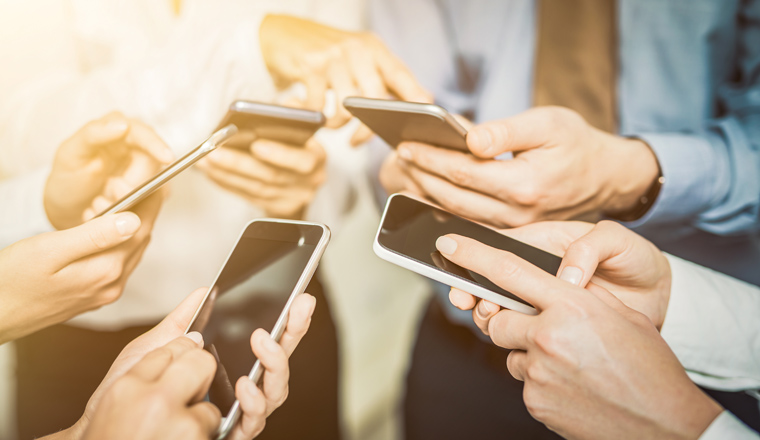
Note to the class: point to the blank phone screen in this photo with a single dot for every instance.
(250, 293)
(411, 228)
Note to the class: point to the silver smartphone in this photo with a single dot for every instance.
(256, 120)
(398, 121)
(272, 262)
(151, 185)
(407, 236)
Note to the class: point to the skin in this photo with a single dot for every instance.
(563, 168)
(53, 277)
(321, 58)
(606, 254)
(281, 179)
(593, 368)
(154, 387)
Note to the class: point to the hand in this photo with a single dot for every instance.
(593, 368)
(562, 169)
(350, 63)
(256, 405)
(161, 396)
(281, 179)
(52, 277)
(98, 165)
(606, 254)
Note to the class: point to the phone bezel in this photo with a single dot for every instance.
(229, 421)
(437, 274)
(154, 183)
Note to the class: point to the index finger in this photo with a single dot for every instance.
(299, 319)
(397, 76)
(146, 139)
(503, 268)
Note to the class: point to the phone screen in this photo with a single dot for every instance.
(411, 228)
(250, 293)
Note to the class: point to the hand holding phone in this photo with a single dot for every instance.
(271, 264)
(407, 237)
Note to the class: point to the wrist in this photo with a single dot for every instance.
(633, 175)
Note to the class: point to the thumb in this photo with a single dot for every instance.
(95, 236)
(525, 131)
(99, 132)
(176, 322)
(606, 240)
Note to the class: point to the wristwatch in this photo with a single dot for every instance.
(645, 202)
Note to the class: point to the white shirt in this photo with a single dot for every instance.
(713, 326)
(178, 74)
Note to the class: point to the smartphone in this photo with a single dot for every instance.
(150, 186)
(255, 120)
(398, 121)
(272, 262)
(407, 235)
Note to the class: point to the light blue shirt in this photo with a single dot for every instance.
(689, 85)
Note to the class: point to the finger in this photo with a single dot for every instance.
(341, 82)
(467, 203)
(483, 313)
(490, 177)
(302, 160)
(398, 78)
(92, 237)
(250, 188)
(531, 129)
(553, 237)
(462, 300)
(147, 140)
(361, 135)
(188, 376)
(517, 361)
(505, 269)
(155, 363)
(316, 89)
(511, 330)
(299, 319)
(243, 164)
(275, 361)
(207, 415)
(364, 71)
(605, 241)
(610, 299)
(276, 202)
(89, 140)
(178, 319)
(254, 406)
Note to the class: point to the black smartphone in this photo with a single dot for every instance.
(399, 121)
(407, 235)
(272, 262)
(256, 120)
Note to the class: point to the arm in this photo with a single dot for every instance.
(711, 324)
(712, 176)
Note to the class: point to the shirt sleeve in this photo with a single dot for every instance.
(22, 212)
(712, 176)
(713, 328)
(727, 426)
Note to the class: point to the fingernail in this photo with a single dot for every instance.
(270, 345)
(117, 126)
(195, 337)
(446, 245)
(481, 139)
(484, 309)
(404, 153)
(572, 275)
(127, 224)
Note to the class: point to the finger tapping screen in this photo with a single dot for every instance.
(250, 293)
(411, 228)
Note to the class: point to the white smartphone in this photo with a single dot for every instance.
(398, 121)
(151, 185)
(407, 235)
(272, 262)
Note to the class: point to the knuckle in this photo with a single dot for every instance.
(535, 372)
(99, 239)
(528, 193)
(507, 269)
(533, 402)
(462, 175)
(547, 340)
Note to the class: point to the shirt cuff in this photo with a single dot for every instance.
(727, 426)
(695, 176)
(709, 325)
